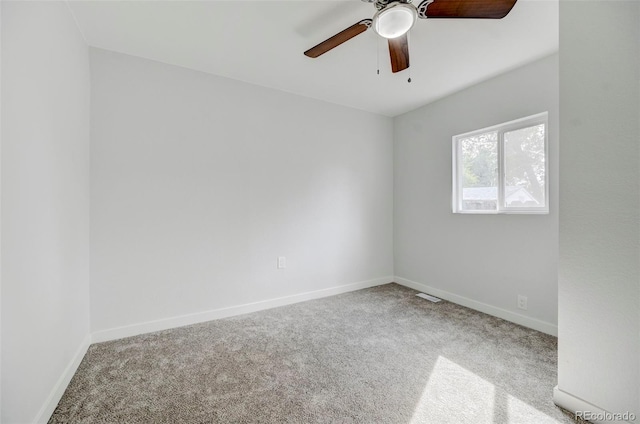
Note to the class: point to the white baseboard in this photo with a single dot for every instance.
(574, 404)
(180, 321)
(542, 326)
(61, 385)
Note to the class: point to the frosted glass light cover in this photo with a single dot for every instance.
(395, 20)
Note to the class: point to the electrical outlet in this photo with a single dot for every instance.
(282, 262)
(522, 302)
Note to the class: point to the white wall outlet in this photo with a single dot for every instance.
(522, 302)
(282, 262)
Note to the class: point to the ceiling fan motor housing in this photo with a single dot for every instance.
(422, 7)
(381, 4)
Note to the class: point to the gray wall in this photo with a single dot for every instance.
(483, 261)
(198, 184)
(45, 204)
(599, 278)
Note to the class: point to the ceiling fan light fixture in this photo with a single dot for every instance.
(395, 20)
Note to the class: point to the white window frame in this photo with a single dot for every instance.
(529, 121)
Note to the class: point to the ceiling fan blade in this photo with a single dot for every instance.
(339, 38)
(478, 9)
(399, 52)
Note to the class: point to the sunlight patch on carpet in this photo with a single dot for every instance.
(455, 394)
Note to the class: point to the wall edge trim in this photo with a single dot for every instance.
(573, 404)
(533, 323)
(59, 388)
(198, 317)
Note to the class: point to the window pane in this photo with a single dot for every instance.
(479, 169)
(524, 166)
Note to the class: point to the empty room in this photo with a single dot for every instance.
(352, 211)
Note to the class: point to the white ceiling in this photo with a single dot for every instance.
(261, 42)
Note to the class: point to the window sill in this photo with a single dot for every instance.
(510, 212)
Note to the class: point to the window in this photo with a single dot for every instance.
(502, 169)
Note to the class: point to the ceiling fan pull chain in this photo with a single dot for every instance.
(378, 55)
(408, 44)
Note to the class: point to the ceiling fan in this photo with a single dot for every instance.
(394, 19)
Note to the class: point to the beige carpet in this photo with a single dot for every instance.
(379, 355)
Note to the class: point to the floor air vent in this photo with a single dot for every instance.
(429, 297)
